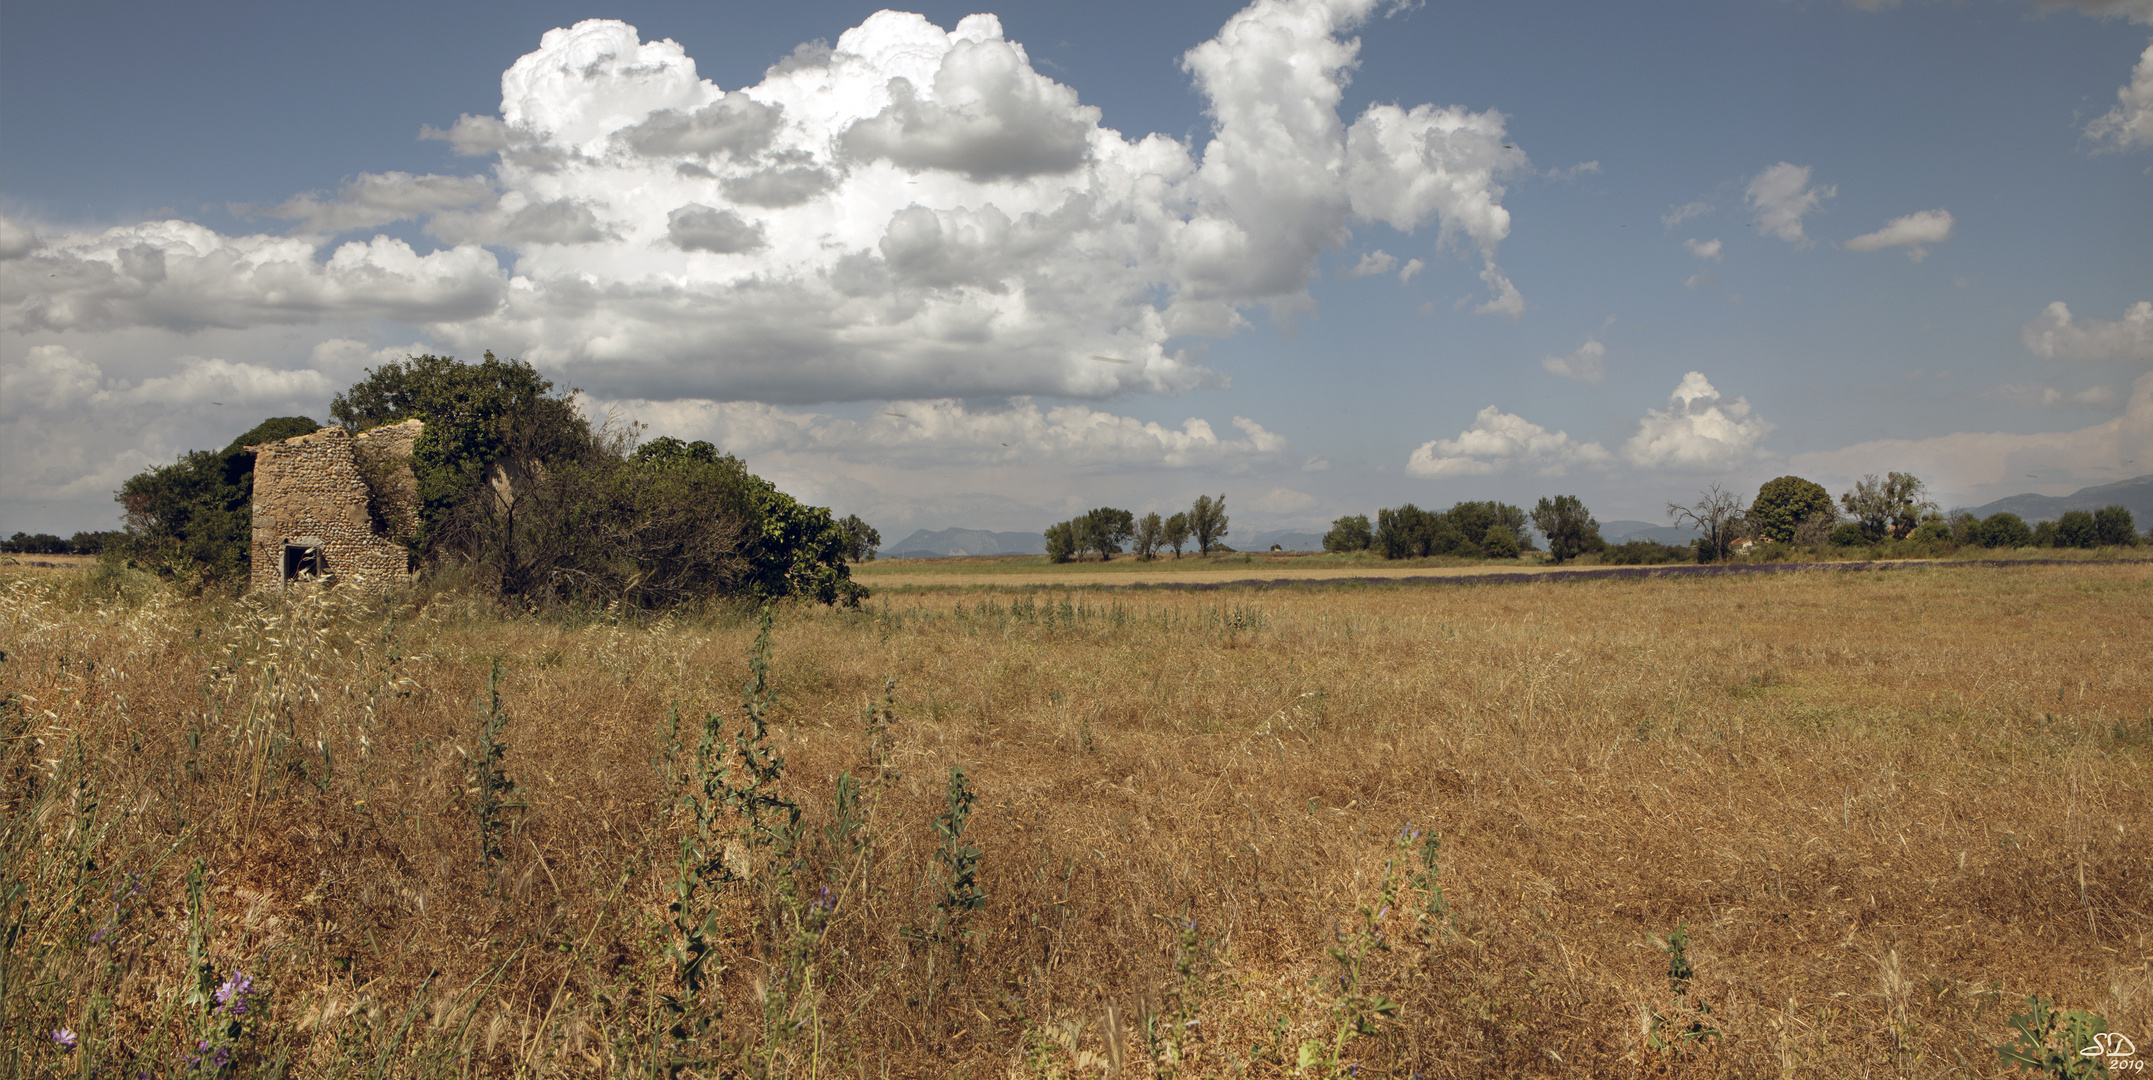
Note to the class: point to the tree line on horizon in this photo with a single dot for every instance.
(82, 543)
(1790, 511)
(1106, 531)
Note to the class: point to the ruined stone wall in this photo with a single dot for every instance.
(310, 489)
(384, 459)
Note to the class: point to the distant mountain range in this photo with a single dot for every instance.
(1616, 532)
(1285, 539)
(924, 544)
(2133, 495)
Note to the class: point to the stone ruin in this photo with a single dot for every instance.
(335, 508)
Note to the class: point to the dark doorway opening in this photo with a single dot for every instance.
(302, 558)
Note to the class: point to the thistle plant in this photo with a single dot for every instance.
(1359, 1010)
(955, 875)
(2041, 1028)
(725, 817)
(1684, 1026)
(492, 793)
(756, 797)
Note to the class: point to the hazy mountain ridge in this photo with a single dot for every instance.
(1288, 539)
(2135, 495)
(923, 543)
(1616, 532)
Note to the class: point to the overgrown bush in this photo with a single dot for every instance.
(192, 520)
(2076, 529)
(2004, 529)
(1471, 530)
(1350, 533)
(2113, 527)
(517, 487)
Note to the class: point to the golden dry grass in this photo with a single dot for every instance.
(1888, 806)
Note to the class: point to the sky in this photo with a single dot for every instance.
(989, 269)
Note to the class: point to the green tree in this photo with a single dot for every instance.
(193, 518)
(861, 539)
(2076, 528)
(2045, 534)
(1177, 533)
(1207, 522)
(2004, 529)
(2113, 526)
(1149, 532)
(1890, 507)
(1406, 532)
(1061, 541)
(1782, 505)
(1568, 526)
(1105, 530)
(1349, 534)
(1486, 528)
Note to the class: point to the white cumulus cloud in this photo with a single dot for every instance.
(1586, 365)
(71, 432)
(374, 199)
(944, 432)
(1707, 250)
(1679, 214)
(2130, 124)
(17, 240)
(1914, 232)
(1373, 263)
(1782, 196)
(2056, 335)
(911, 212)
(1498, 441)
(1698, 431)
(177, 275)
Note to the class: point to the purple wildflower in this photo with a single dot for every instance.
(236, 993)
(64, 1038)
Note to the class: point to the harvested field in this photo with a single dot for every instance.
(1882, 810)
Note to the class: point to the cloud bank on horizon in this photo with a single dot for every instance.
(909, 213)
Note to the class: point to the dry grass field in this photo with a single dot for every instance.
(1827, 824)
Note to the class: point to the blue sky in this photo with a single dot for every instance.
(932, 271)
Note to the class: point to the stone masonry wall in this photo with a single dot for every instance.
(310, 488)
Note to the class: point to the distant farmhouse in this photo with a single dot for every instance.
(333, 507)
